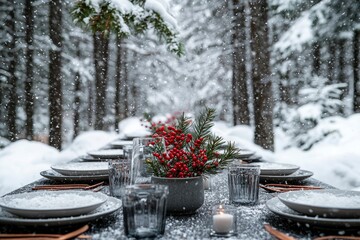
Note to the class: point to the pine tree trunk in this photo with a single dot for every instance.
(55, 78)
(316, 54)
(77, 101)
(331, 62)
(118, 83)
(240, 96)
(29, 96)
(90, 108)
(263, 96)
(12, 80)
(101, 59)
(342, 65)
(356, 71)
(126, 113)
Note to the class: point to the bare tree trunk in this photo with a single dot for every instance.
(316, 54)
(12, 80)
(29, 96)
(263, 96)
(240, 96)
(118, 83)
(101, 59)
(356, 71)
(55, 78)
(77, 101)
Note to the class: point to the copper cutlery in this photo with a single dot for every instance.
(67, 186)
(276, 233)
(287, 188)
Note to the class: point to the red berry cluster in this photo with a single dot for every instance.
(184, 157)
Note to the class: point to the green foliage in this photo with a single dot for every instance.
(106, 18)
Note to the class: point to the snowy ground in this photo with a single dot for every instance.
(335, 161)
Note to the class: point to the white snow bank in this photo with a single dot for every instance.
(21, 162)
(132, 127)
(86, 142)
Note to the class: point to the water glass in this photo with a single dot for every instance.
(144, 210)
(142, 152)
(119, 176)
(243, 181)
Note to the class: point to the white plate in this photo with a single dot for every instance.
(82, 168)
(277, 207)
(110, 206)
(245, 153)
(121, 143)
(296, 176)
(53, 175)
(324, 203)
(271, 168)
(107, 153)
(45, 204)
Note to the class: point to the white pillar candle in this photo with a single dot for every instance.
(222, 222)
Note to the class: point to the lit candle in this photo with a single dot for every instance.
(222, 222)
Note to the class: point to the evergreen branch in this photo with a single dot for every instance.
(229, 155)
(183, 123)
(106, 18)
(204, 123)
(214, 145)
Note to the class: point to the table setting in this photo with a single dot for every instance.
(158, 187)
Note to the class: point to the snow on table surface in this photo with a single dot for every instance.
(333, 161)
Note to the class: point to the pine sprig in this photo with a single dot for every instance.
(229, 155)
(204, 123)
(183, 123)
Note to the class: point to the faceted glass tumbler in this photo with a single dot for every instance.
(119, 176)
(144, 209)
(223, 221)
(243, 182)
(142, 152)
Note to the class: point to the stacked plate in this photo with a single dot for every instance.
(249, 156)
(282, 172)
(78, 171)
(49, 208)
(103, 155)
(326, 208)
(120, 143)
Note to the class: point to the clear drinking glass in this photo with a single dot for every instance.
(223, 221)
(243, 181)
(144, 210)
(119, 176)
(142, 152)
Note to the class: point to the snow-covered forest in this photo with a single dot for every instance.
(290, 65)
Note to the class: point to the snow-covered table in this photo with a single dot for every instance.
(250, 225)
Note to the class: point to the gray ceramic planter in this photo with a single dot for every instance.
(186, 195)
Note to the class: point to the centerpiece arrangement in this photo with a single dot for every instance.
(192, 152)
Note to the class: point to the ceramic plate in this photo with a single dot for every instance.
(82, 168)
(89, 158)
(245, 153)
(45, 204)
(294, 177)
(107, 153)
(324, 203)
(53, 175)
(277, 207)
(121, 143)
(110, 206)
(271, 168)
